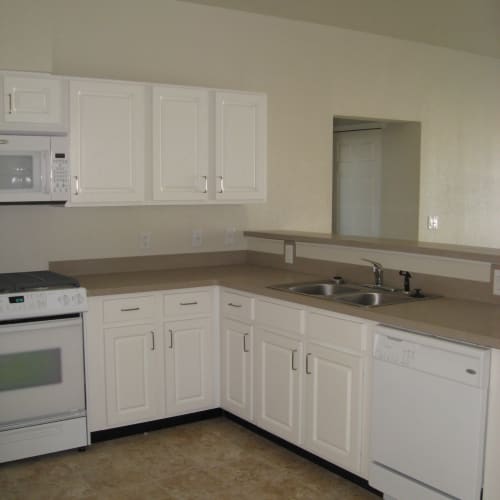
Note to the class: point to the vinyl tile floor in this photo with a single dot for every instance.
(214, 459)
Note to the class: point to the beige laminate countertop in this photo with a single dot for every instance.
(467, 321)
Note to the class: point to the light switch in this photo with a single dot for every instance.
(289, 251)
(432, 222)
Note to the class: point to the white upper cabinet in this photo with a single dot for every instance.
(241, 146)
(107, 141)
(33, 103)
(180, 143)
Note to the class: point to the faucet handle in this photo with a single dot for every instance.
(374, 264)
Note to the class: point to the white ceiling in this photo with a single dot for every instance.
(469, 25)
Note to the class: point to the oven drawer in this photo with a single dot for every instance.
(135, 308)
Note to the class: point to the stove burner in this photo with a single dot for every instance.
(33, 281)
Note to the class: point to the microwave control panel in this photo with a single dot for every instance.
(60, 168)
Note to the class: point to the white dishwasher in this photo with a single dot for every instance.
(428, 417)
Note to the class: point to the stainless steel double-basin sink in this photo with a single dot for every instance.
(356, 295)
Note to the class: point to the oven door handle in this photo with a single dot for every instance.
(40, 324)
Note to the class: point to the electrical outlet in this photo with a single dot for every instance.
(229, 236)
(432, 222)
(145, 240)
(196, 238)
(496, 282)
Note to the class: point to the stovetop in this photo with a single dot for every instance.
(35, 280)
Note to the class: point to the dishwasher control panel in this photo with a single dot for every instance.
(437, 357)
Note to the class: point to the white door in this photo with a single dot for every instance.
(333, 406)
(180, 144)
(107, 142)
(241, 146)
(358, 167)
(277, 384)
(237, 368)
(188, 366)
(133, 373)
(32, 99)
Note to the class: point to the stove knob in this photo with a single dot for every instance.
(66, 300)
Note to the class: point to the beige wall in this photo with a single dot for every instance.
(400, 181)
(309, 72)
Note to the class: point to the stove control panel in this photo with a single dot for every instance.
(42, 303)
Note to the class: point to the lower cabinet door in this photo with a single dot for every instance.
(277, 378)
(133, 365)
(333, 406)
(188, 366)
(236, 358)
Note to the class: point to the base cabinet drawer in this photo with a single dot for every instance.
(128, 309)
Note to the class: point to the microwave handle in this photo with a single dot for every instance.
(46, 173)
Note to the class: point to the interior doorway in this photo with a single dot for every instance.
(376, 178)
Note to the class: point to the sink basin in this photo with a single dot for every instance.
(373, 299)
(355, 295)
(322, 289)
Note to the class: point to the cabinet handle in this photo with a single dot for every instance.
(234, 305)
(206, 184)
(152, 340)
(188, 303)
(221, 183)
(294, 368)
(307, 363)
(245, 335)
(171, 346)
(77, 185)
(130, 309)
(11, 107)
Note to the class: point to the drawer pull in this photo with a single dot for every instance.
(171, 346)
(130, 309)
(294, 368)
(152, 340)
(307, 363)
(234, 305)
(245, 335)
(188, 303)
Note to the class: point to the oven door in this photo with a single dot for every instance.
(24, 169)
(41, 372)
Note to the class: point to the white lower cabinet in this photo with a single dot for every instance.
(136, 370)
(236, 369)
(278, 383)
(297, 372)
(188, 366)
(333, 406)
(132, 361)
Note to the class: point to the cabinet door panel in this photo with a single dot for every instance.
(237, 368)
(33, 100)
(188, 357)
(180, 143)
(107, 141)
(333, 406)
(241, 146)
(130, 360)
(277, 370)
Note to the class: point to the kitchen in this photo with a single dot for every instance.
(361, 75)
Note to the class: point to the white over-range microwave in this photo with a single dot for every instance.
(34, 169)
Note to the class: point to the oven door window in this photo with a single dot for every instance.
(30, 369)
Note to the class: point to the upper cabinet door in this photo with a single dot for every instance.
(180, 144)
(241, 146)
(107, 141)
(33, 100)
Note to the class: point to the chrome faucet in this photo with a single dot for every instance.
(378, 272)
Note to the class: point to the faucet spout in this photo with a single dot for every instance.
(378, 272)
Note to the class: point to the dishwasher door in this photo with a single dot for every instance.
(428, 417)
